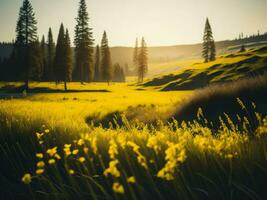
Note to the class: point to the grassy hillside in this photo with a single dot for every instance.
(49, 149)
(229, 67)
(168, 59)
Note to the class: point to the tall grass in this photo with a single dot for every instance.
(183, 161)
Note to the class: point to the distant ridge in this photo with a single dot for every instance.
(161, 54)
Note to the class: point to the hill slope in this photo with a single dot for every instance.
(226, 68)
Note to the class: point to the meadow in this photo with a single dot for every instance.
(50, 151)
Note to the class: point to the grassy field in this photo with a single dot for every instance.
(49, 151)
(122, 141)
(195, 74)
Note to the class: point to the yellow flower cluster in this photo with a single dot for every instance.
(175, 154)
(112, 169)
(140, 158)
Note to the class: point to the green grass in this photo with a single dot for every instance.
(226, 68)
(137, 157)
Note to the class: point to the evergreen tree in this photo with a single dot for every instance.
(126, 69)
(26, 35)
(97, 74)
(142, 61)
(123, 78)
(106, 64)
(209, 49)
(43, 56)
(60, 56)
(83, 45)
(68, 60)
(135, 54)
(35, 60)
(49, 71)
(118, 73)
(242, 49)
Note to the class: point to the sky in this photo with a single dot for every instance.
(161, 22)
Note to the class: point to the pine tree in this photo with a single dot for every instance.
(242, 49)
(135, 54)
(209, 49)
(83, 45)
(142, 61)
(68, 60)
(118, 73)
(43, 56)
(97, 74)
(123, 78)
(59, 62)
(35, 60)
(49, 71)
(106, 64)
(26, 35)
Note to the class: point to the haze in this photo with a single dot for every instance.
(161, 22)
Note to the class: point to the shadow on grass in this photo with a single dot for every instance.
(11, 91)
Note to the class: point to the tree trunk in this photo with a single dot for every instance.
(65, 86)
(26, 85)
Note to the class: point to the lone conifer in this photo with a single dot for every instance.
(59, 63)
(135, 54)
(97, 74)
(209, 49)
(68, 60)
(142, 61)
(106, 64)
(83, 45)
(26, 35)
(49, 71)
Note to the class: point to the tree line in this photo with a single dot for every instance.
(50, 61)
(47, 61)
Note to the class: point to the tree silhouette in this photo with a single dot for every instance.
(118, 73)
(26, 35)
(242, 49)
(209, 49)
(68, 60)
(43, 57)
(142, 61)
(97, 74)
(135, 54)
(106, 64)
(60, 60)
(35, 61)
(49, 71)
(83, 45)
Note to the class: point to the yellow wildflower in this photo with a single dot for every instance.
(85, 150)
(27, 178)
(75, 151)
(39, 171)
(118, 188)
(51, 161)
(57, 156)
(81, 159)
(131, 179)
(80, 142)
(40, 164)
(71, 171)
(47, 131)
(39, 135)
(39, 155)
(51, 152)
(67, 145)
(112, 151)
(112, 169)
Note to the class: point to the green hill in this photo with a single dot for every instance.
(229, 67)
(168, 59)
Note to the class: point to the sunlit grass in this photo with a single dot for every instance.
(50, 152)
